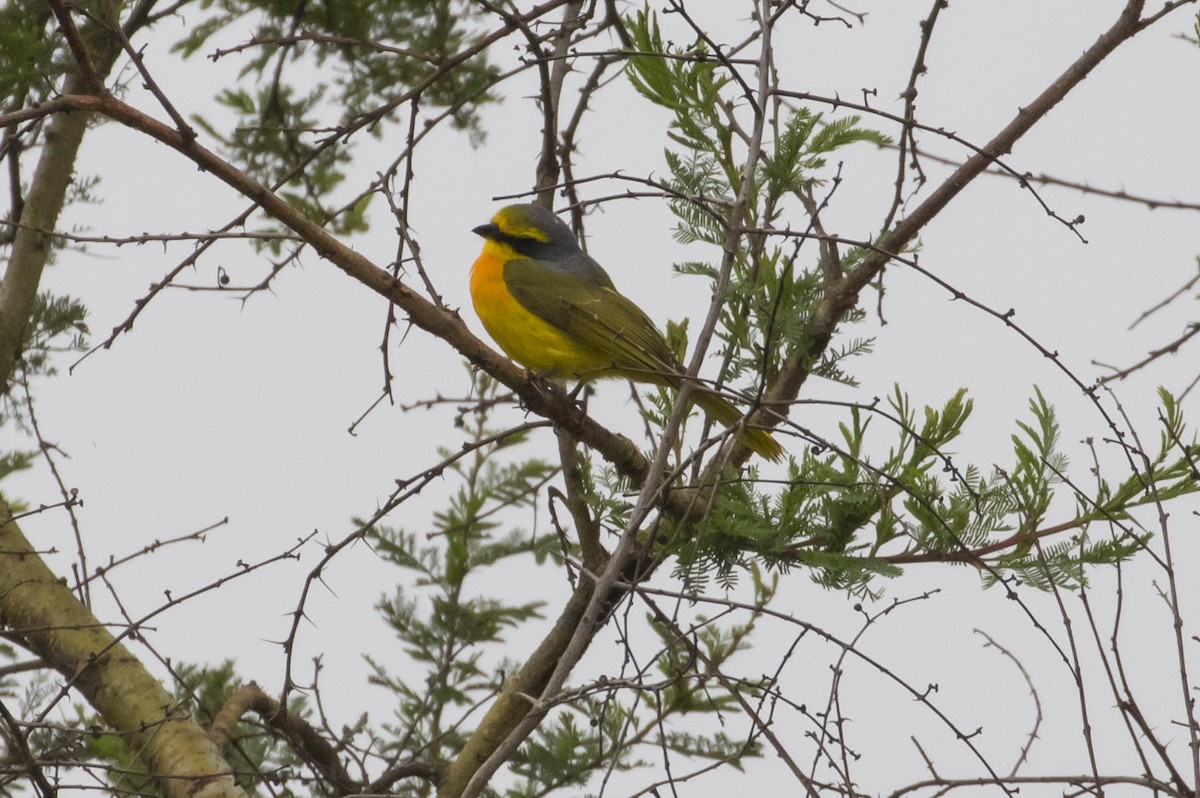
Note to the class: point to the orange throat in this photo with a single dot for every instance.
(526, 338)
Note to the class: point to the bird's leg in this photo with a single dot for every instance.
(581, 393)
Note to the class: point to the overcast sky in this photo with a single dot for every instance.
(214, 407)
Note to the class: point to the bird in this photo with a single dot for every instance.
(555, 310)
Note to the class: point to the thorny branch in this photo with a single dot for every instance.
(844, 293)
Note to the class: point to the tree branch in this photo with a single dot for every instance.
(844, 297)
(32, 241)
(45, 616)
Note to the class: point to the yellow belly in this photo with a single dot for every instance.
(535, 344)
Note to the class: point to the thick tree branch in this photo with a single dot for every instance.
(32, 243)
(45, 616)
(304, 739)
(520, 696)
(95, 53)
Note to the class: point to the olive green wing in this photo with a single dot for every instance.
(579, 299)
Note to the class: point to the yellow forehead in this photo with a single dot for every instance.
(514, 222)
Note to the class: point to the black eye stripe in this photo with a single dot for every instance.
(524, 245)
(508, 238)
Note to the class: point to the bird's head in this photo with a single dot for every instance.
(530, 231)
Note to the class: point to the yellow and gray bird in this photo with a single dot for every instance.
(554, 310)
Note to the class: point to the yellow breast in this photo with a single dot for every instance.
(526, 338)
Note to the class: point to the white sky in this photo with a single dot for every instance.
(213, 408)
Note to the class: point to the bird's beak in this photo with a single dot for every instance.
(486, 230)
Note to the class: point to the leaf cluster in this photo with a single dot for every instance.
(31, 64)
(61, 743)
(445, 630)
(320, 67)
(843, 511)
(772, 292)
(606, 724)
(850, 517)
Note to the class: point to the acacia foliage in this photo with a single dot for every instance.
(750, 169)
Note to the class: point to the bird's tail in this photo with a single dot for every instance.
(759, 441)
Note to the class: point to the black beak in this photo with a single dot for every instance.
(487, 230)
